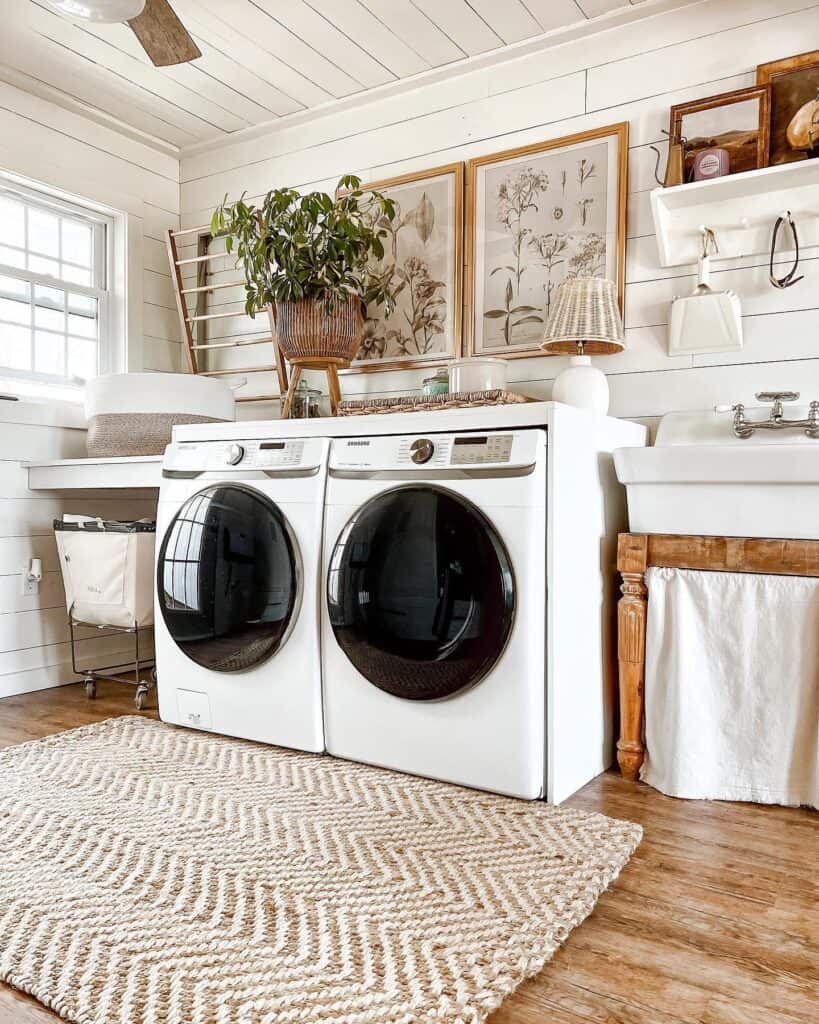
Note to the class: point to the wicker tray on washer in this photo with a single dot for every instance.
(422, 403)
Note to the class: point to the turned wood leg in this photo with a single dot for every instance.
(295, 377)
(631, 653)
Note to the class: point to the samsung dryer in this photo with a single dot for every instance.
(239, 529)
(434, 641)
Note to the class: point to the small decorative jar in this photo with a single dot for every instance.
(306, 402)
(437, 385)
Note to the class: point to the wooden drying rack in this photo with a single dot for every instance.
(188, 321)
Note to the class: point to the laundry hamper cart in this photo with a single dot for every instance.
(108, 572)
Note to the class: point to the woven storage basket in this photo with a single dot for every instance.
(428, 403)
(305, 330)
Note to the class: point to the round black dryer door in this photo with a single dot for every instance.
(228, 578)
(421, 593)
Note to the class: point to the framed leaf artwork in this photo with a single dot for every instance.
(424, 258)
(536, 216)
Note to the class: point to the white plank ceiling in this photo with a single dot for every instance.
(265, 59)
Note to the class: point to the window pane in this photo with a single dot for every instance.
(83, 326)
(76, 275)
(14, 301)
(12, 257)
(15, 347)
(12, 222)
(17, 311)
(49, 352)
(48, 308)
(83, 304)
(41, 265)
(77, 242)
(43, 232)
(11, 287)
(82, 358)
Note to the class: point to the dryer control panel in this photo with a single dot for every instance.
(267, 456)
(494, 449)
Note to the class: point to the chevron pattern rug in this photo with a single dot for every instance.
(152, 875)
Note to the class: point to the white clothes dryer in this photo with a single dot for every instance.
(239, 529)
(434, 631)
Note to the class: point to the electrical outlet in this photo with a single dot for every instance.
(30, 586)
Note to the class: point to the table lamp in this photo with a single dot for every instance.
(584, 321)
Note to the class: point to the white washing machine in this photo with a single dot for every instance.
(434, 631)
(239, 528)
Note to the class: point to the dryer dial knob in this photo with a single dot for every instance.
(235, 455)
(421, 451)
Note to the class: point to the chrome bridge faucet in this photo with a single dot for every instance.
(745, 428)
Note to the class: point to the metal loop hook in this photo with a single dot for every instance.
(788, 279)
(708, 239)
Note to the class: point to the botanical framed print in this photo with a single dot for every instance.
(424, 256)
(537, 215)
(736, 121)
(794, 83)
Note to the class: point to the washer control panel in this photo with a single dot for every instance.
(478, 449)
(425, 452)
(267, 456)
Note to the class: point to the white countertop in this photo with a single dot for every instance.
(141, 472)
(487, 417)
(134, 472)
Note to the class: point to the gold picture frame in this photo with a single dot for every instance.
(794, 84)
(589, 240)
(745, 151)
(401, 330)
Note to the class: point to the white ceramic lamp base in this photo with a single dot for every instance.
(582, 385)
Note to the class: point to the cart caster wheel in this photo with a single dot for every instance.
(141, 698)
(153, 676)
(90, 689)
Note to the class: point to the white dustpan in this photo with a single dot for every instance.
(707, 321)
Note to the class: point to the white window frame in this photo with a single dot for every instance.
(105, 229)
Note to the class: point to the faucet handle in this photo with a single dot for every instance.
(727, 408)
(777, 396)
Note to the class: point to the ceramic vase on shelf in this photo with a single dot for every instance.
(584, 321)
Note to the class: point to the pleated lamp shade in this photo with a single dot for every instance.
(584, 319)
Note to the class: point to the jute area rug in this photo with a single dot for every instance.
(153, 875)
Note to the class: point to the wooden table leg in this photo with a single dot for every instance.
(334, 388)
(295, 377)
(631, 651)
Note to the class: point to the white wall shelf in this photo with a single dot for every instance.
(129, 473)
(741, 210)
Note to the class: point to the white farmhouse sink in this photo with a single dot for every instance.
(700, 479)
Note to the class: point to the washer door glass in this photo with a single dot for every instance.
(421, 593)
(228, 578)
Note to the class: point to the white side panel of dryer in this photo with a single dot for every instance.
(586, 510)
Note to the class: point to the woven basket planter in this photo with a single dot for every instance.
(306, 331)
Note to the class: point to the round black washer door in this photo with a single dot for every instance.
(228, 578)
(421, 593)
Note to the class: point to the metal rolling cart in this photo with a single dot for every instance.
(107, 572)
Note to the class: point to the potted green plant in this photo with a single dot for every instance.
(314, 258)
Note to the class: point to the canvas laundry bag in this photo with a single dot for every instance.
(108, 570)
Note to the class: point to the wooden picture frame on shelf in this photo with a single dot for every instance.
(711, 119)
(536, 215)
(425, 248)
(794, 86)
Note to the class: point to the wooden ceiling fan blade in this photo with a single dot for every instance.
(163, 36)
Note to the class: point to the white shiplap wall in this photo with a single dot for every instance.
(34, 648)
(60, 149)
(628, 73)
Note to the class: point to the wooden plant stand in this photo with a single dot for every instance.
(636, 552)
(330, 367)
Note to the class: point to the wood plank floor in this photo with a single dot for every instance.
(714, 921)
